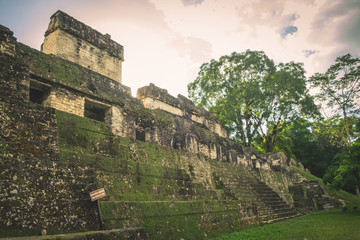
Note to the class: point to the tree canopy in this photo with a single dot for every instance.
(268, 106)
(251, 95)
(340, 87)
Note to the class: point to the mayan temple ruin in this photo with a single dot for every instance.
(68, 126)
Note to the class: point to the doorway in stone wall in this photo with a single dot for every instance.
(38, 91)
(96, 110)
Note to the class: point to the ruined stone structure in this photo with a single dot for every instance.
(68, 126)
(74, 41)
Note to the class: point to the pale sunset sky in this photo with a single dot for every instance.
(166, 41)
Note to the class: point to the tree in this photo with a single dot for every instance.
(231, 89)
(311, 143)
(286, 99)
(252, 96)
(340, 87)
(345, 171)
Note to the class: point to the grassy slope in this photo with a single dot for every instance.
(326, 224)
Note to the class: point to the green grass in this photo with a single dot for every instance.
(308, 176)
(326, 224)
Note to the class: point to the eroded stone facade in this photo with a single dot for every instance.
(166, 164)
(72, 40)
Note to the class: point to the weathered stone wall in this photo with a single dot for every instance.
(7, 41)
(41, 194)
(27, 130)
(72, 40)
(182, 179)
(156, 98)
(282, 176)
(63, 99)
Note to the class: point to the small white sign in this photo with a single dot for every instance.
(97, 194)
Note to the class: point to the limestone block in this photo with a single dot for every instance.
(192, 144)
(67, 46)
(198, 119)
(66, 101)
(213, 126)
(299, 165)
(213, 152)
(292, 162)
(7, 41)
(156, 104)
(204, 149)
(242, 160)
(265, 166)
(120, 125)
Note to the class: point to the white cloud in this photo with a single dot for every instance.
(191, 2)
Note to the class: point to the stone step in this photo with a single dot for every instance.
(276, 210)
(248, 185)
(274, 220)
(250, 188)
(123, 234)
(276, 204)
(270, 216)
(272, 196)
(269, 201)
(261, 198)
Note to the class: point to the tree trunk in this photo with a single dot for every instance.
(247, 125)
(348, 141)
(269, 145)
(357, 191)
(270, 138)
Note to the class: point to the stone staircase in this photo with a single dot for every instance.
(236, 199)
(270, 207)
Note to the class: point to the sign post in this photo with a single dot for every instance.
(95, 196)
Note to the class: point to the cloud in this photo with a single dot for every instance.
(191, 2)
(272, 14)
(338, 21)
(308, 53)
(197, 49)
(334, 31)
(352, 33)
(288, 30)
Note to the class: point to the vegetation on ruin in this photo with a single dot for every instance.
(270, 108)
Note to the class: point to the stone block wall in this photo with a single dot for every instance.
(37, 194)
(156, 98)
(166, 164)
(7, 41)
(64, 100)
(70, 39)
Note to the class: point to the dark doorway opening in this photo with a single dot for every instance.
(140, 135)
(38, 91)
(95, 110)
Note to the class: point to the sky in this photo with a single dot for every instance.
(166, 41)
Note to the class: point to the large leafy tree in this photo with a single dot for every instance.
(232, 89)
(345, 169)
(251, 95)
(286, 98)
(339, 87)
